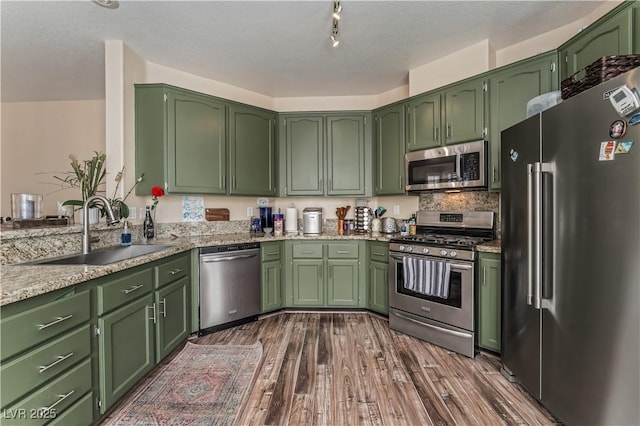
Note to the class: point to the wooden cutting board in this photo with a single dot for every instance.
(216, 214)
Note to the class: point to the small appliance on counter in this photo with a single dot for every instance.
(388, 225)
(26, 206)
(312, 221)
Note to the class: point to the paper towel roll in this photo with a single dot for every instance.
(291, 219)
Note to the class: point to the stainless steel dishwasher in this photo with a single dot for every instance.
(229, 285)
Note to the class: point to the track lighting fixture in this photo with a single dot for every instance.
(337, 9)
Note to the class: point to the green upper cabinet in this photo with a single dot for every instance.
(345, 155)
(326, 154)
(464, 111)
(610, 35)
(180, 141)
(510, 88)
(425, 119)
(447, 116)
(252, 151)
(389, 150)
(304, 153)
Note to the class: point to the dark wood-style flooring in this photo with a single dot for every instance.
(350, 368)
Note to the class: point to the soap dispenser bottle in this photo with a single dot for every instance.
(125, 237)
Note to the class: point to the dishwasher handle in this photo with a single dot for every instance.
(213, 259)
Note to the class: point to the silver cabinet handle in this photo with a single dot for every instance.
(132, 289)
(175, 271)
(153, 308)
(448, 130)
(60, 399)
(307, 251)
(484, 275)
(342, 252)
(61, 358)
(224, 182)
(330, 272)
(435, 133)
(163, 311)
(495, 174)
(58, 320)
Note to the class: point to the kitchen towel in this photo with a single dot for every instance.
(291, 219)
(428, 277)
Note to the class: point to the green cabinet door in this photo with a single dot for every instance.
(389, 150)
(196, 143)
(308, 282)
(271, 285)
(126, 344)
(345, 165)
(304, 153)
(172, 325)
(425, 118)
(489, 301)
(611, 35)
(464, 111)
(343, 282)
(252, 151)
(510, 88)
(180, 140)
(379, 287)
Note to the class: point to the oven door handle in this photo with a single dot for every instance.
(459, 266)
(435, 327)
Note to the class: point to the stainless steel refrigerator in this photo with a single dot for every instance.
(571, 255)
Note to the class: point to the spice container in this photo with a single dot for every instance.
(278, 224)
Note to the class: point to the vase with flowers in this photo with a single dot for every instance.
(118, 204)
(156, 193)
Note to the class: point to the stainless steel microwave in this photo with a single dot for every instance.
(455, 167)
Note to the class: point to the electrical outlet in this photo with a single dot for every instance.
(249, 211)
(396, 209)
(132, 212)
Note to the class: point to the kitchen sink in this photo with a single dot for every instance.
(102, 256)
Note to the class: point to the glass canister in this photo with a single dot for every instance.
(278, 224)
(26, 206)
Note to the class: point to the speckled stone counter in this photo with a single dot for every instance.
(21, 281)
(494, 246)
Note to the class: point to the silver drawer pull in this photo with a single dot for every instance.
(307, 251)
(58, 320)
(61, 358)
(163, 311)
(343, 251)
(132, 289)
(60, 399)
(153, 318)
(175, 271)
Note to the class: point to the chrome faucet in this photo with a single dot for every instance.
(86, 236)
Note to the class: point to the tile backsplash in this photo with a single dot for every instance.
(463, 201)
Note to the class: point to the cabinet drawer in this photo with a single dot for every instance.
(379, 253)
(307, 251)
(270, 251)
(173, 269)
(43, 363)
(44, 405)
(123, 290)
(343, 251)
(80, 413)
(34, 326)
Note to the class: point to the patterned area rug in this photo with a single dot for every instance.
(201, 385)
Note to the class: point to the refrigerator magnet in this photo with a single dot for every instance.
(607, 150)
(623, 147)
(635, 119)
(618, 129)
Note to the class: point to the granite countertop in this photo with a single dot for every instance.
(20, 281)
(494, 246)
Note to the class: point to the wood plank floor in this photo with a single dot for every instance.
(350, 368)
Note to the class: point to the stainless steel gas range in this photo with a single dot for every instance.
(432, 278)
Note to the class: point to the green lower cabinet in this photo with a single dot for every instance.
(379, 287)
(308, 282)
(325, 275)
(343, 282)
(126, 351)
(271, 285)
(80, 413)
(489, 301)
(172, 324)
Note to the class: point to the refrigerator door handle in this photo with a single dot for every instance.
(535, 239)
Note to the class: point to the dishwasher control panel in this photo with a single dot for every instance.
(229, 247)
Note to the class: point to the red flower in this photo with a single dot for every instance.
(156, 192)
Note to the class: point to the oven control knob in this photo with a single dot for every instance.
(409, 248)
(453, 253)
(443, 252)
(425, 250)
(401, 248)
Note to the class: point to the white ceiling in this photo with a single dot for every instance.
(54, 50)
